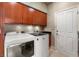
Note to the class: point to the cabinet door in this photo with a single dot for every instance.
(25, 15)
(1, 45)
(12, 12)
(1, 11)
(40, 18)
(1, 31)
(1, 38)
(31, 16)
(28, 15)
(43, 19)
(37, 18)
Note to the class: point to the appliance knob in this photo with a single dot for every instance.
(37, 39)
(43, 38)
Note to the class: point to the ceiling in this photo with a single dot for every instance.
(47, 3)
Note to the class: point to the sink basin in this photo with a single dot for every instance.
(38, 34)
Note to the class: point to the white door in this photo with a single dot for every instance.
(66, 32)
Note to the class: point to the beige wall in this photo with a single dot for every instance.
(54, 7)
(57, 6)
(38, 5)
(20, 27)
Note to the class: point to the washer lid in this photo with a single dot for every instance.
(17, 36)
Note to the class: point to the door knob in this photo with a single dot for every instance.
(56, 30)
(56, 33)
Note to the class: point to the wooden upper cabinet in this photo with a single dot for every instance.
(1, 31)
(37, 18)
(12, 12)
(28, 15)
(44, 19)
(1, 10)
(17, 13)
(1, 37)
(25, 15)
(40, 18)
(1, 43)
(33, 17)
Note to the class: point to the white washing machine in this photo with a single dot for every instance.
(26, 45)
(19, 45)
(42, 44)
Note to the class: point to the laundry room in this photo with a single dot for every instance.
(39, 29)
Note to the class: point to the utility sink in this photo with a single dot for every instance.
(37, 34)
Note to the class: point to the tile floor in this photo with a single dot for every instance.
(54, 53)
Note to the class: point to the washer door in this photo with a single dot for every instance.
(22, 50)
(27, 49)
